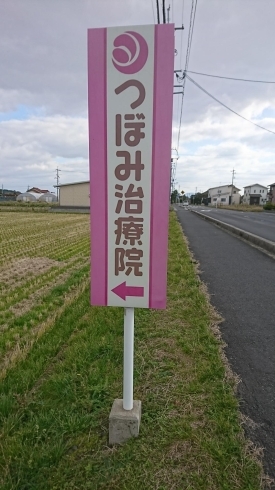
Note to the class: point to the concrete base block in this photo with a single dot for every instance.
(124, 424)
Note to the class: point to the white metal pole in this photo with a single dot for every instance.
(128, 363)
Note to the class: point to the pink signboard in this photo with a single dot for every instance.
(130, 92)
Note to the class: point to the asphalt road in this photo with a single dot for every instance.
(241, 282)
(261, 224)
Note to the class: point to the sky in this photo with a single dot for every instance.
(43, 89)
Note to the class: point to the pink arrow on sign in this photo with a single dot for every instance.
(122, 291)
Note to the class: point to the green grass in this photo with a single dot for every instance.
(55, 400)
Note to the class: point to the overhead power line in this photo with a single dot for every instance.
(153, 11)
(189, 45)
(221, 103)
(172, 13)
(228, 78)
(163, 12)
(180, 58)
(192, 29)
(158, 11)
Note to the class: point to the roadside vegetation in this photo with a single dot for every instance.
(269, 206)
(252, 208)
(17, 206)
(26, 204)
(61, 368)
(242, 207)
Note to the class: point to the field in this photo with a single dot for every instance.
(61, 368)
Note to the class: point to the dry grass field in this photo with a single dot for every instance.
(243, 208)
(61, 368)
(38, 253)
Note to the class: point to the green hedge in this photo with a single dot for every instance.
(269, 206)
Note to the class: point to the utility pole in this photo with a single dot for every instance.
(57, 182)
(173, 171)
(233, 176)
(172, 178)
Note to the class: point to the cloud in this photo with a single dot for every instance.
(31, 150)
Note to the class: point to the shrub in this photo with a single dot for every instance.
(268, 206)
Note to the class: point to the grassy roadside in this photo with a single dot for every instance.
(242, 207)
(17, 206)
(55, 402)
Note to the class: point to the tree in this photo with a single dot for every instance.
(174, 196)
(184, 198)
(199, 198)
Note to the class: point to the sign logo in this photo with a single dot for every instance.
(130, 52)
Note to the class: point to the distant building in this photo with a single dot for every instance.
(37, 190)
(76, 194)
(8, 195)
(223, 195)
(255, 194)
(271, 193)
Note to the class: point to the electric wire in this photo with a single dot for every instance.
(158, 17)
(163, 12)
(180, 59)
(228, 78)
(172, 11)
(192, 29)
(224, 105)
(189, 45)
(153, 11)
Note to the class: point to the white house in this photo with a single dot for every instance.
(255, 194)
(223, 195)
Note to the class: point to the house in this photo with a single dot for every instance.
(255, 194)
(223, 195)
(36, 190)
(271, 193)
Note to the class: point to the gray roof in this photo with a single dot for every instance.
(73, 183)
(220, 186)
(252, 185)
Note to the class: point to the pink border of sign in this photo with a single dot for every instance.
(98, 162)
(161, 162)
(161, 158)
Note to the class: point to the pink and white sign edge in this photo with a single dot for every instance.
(161, 158)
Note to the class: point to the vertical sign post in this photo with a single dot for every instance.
(128, 363)
(130, 92)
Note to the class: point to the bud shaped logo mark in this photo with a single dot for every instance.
(130, 52)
